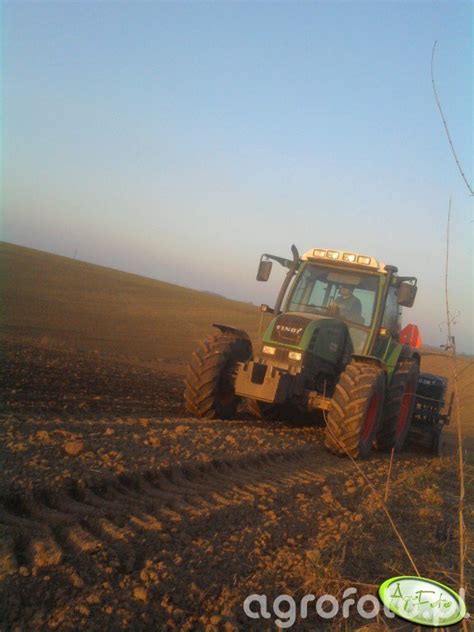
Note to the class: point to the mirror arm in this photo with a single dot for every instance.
(286, 263)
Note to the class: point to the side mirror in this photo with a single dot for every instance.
(406, 294)
(264, 269)
(266, 309)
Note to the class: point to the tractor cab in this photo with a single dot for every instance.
(361, 297)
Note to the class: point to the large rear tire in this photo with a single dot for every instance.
(399, 405)
(209, 383)
(355, 410)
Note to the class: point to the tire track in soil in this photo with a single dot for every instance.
(112, 520)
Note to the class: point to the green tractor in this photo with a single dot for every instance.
(333, 345)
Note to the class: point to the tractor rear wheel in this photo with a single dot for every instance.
(399, 405)
(209, 383)
(355, 410)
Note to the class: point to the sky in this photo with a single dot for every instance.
(181, 140)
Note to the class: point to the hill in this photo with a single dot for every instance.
(56, 301)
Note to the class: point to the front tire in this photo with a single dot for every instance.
(355, 410)
(209, 383)
(399, 406)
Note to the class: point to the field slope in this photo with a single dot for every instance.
(57, 301)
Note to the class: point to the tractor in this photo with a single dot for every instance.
(333, 348)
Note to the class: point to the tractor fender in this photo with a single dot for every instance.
(225, 329)
(399, 353)
(408, 353)
(368, 359)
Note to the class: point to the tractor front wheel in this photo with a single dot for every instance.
(400, 402)
(209, 383)
(355, 410)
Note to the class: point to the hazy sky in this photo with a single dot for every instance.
(181, 140)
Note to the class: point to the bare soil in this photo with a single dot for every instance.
(117, 511)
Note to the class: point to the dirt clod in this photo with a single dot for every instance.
(140, 593)
(73, 448)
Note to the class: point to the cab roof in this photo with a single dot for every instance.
(344, 257)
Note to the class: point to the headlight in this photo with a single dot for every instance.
(269, 350)
(348, 256)
(295, 355)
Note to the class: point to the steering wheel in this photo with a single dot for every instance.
(331, 310)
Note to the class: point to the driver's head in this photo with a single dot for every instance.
(346, 290)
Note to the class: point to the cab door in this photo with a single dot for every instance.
(388, 346)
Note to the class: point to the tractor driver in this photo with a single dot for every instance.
(349, 305)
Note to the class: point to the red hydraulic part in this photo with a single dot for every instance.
(410, 335)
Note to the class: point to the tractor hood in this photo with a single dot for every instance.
(321, 336)
(288, 329)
